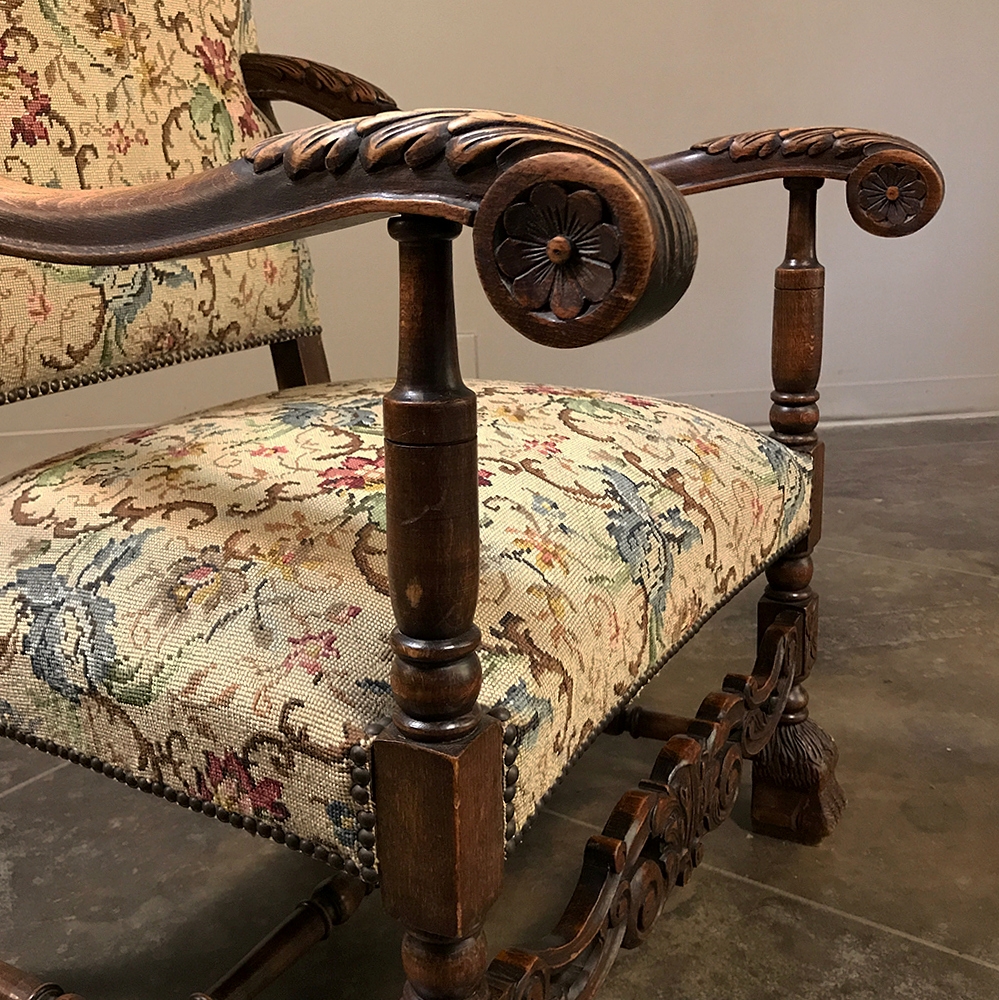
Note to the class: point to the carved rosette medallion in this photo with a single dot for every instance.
(893, 187)
(893, 192)
(558, 250)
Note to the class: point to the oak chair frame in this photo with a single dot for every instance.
(435, 769)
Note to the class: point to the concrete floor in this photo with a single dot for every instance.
(116, 895)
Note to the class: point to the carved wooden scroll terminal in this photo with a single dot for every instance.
(623, 255)
(893, 187)
(330, 91)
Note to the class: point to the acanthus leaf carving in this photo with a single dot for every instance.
(465, 139)
(842, 143)
(263, 71)
(625, 248)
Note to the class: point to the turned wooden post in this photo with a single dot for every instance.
(438, 769)
(795, 792)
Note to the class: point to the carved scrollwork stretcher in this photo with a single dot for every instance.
(653, 839)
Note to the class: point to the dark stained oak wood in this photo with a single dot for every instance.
(460, 165)
(893, 186)
(301, 361)
(332, 903)
(330, 91)
(438, 771)
(795, 792)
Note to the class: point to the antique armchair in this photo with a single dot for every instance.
(328, 616)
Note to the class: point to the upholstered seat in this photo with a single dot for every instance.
(204, 605)
(329, 615)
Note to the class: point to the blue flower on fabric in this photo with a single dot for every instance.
(779, 457)
(646, 541)
(69, 641)
(128, 289)
(529, 711)
(550, 509)
(344, 822)
(299, 414)
(357, 414)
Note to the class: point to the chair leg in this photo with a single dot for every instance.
(654, 837)
(333, 902)
(795, 792)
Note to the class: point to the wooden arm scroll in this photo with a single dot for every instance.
(574, 239)
(893, 187)
(330, 91)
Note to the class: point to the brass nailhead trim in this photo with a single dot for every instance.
(253, 826)
(511, 741)
(148, 364)
(361, 777)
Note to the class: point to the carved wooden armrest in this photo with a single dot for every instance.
(893, 187)
(330, 91)
(574, 238)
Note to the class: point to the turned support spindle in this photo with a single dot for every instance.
(799, 287)
(795, 793)
(438, 771)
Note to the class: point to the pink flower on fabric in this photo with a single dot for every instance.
(485, 477)
(264, 451)
(248, 126)
(313, 653)
(546, 448)
(39, 307)
(270, 269)
(230, 785)
(215, 60)
(637, 401)
(706, 447)
(121, 142)
(29, 128)
(355, 473)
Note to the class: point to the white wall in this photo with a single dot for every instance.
(910, 323)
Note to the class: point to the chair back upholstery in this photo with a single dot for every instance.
(106, 93)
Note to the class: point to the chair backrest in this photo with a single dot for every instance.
(106, 93)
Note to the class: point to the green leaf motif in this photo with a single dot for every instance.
(222, 127)
(202, 105)
(207, 109)
(57, 474)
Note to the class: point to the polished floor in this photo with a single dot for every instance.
(116, 895)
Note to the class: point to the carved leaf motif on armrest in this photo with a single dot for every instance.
(839, 142)
(575, 240)
(326, 89)
(893, 186)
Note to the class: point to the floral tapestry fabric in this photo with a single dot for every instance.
(205, 604)
(109, 93)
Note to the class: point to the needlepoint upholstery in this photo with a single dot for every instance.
(111, 93)
(204, 604)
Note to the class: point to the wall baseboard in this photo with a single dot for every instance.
(951, 395)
